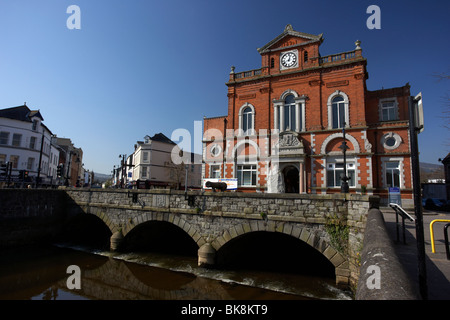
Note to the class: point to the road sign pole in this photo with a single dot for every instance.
(413, 130)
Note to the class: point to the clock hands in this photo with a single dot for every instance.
(288, 59)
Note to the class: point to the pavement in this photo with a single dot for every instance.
(437, 265)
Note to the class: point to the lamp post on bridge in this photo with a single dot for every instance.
(344, 147)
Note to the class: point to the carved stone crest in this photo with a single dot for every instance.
(289, 143)
(289, 140)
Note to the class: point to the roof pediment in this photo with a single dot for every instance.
(290, 38)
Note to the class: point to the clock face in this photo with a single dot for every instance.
(289, 59)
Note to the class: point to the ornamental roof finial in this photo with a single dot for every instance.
(288, 28)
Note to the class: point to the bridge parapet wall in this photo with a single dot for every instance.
(306, 208)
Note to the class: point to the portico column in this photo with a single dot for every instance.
(301, 177)
(275, 117)
(297, 117)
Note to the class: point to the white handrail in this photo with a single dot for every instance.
(401, 211)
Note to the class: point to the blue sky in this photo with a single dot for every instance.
(138, 67)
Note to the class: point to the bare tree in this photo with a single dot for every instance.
(445, 100)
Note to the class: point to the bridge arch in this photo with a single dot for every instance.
(314, 238)
(176, 220)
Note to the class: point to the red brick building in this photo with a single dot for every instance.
(285, 123)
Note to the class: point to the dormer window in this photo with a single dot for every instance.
(35, 125)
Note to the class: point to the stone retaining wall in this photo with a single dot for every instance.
(382, 277)
(28, 216)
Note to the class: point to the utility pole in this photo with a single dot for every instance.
(415, 127)
(344, 147)
(40, 161)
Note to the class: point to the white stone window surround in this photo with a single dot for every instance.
(384, 160)
(241, 120)
(346, 108)
(351, 159)
(278, 108)
(351, 166)
(215, 169)
(380, 108)
(392, 135)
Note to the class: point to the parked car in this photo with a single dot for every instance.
(446, 206)
(433, 203)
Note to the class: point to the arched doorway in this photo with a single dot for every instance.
(291, 179)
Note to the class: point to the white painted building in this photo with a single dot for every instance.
(25, 142)
(152, 164)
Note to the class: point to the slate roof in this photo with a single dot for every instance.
(162, 138)
(22, 113)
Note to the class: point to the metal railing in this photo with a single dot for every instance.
(433, 248)
(405, 215)
(447, 249)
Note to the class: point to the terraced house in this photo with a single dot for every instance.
(284, 127)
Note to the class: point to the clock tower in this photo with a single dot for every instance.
(291, 50)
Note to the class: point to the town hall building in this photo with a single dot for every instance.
(286, 122)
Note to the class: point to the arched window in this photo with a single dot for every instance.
(305, 56)
(272, 63)
(247, 119)
(338, 110)
(289, 113)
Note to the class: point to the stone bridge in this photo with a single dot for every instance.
(332, 224)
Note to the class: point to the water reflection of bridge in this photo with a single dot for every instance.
(121, 280)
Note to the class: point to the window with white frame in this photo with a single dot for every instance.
(144, 156)
(335, 173)
(247, 119)
(15, 161)
(4, 137)
(215, 171)
(247, 123)
(144, 172)
(389, 111)
(338, 112)
(17, 139)
(32, 142)
(30, 163)
(246, 175)
(35, 125)
(392, 174)
(289, 114)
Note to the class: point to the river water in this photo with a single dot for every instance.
(40, 273)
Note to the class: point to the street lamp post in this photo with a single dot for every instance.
(344, 147)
